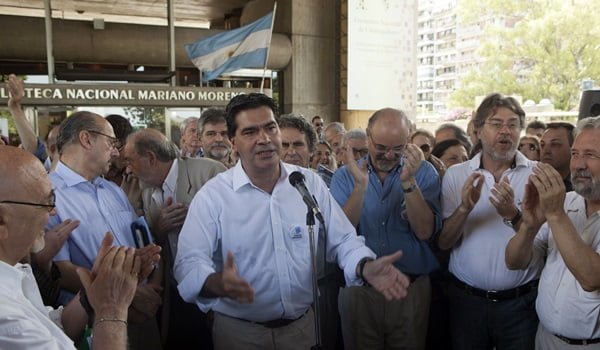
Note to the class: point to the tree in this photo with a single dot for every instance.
(551, 48)
(151, 117)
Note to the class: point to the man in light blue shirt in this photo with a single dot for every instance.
(86, 143)
(246, 254)
(392, 197)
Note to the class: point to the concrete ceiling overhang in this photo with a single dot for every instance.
(188, 13)
(140, 26)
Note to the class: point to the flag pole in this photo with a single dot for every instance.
(262, 81)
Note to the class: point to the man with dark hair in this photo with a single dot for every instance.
(490, 306)
(53, 155)
(214, 140)
(87, 144)
(298, 139)
(252, 266)
(556, 149)
(392, 197)
(298, 142)
(116, 172)
(170, 183)
(536, 128)
(317, 123)
(563, 229)
(448, 131)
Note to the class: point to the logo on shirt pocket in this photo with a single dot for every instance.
(296, 232)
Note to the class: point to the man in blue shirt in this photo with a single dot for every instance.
(87, 143)
(392, 197)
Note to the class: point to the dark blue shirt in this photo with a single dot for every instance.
(383, 221)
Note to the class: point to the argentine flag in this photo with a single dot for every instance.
(244, 47)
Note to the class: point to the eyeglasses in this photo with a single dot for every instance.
(48, 207)
(396, 150)
(114, 142)
(498, 125)
(425, 147)
(530, 146)
(360, 152)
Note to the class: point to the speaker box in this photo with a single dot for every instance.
(589, 106)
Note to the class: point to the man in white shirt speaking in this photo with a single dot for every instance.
(243, 250)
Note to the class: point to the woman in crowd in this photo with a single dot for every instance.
(451, 152)
(530, 147)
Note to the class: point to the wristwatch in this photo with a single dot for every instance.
(409, 189)
(361, 268)
(512, 222)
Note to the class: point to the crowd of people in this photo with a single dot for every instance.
(482, 238)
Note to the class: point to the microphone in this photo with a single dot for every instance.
(297, 180)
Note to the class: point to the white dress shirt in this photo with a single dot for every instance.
(563, 307)
(169, 186)
(25, 323)
(267, 235)
(478, 258)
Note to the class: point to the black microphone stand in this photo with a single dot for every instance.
(310, 223)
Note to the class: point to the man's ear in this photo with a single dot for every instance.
(151, 157)
(233, 146)
(85, 139)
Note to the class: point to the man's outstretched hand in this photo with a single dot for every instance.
(385, 278)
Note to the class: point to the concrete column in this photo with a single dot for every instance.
(311, 78)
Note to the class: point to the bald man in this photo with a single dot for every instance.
(170, 183)
(87, 143)
(26, 203)
(392, 197)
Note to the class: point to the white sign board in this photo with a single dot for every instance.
(382, 54)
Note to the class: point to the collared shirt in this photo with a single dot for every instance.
(563, 306)
(99, 205)
(169, 186)
(25, 323)
(478, 258)
(268, 236)
(383, 221)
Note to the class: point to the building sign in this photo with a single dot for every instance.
(125, 95)
(382, 54)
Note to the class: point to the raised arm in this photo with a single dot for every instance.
(28, 138)
(353, 206)
(419, 214)
(581, 259)
(453, 226)
(520, 248)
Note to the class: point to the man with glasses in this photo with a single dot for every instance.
(392, 198)
(26, 203)
(87, 145)
(490, 306)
